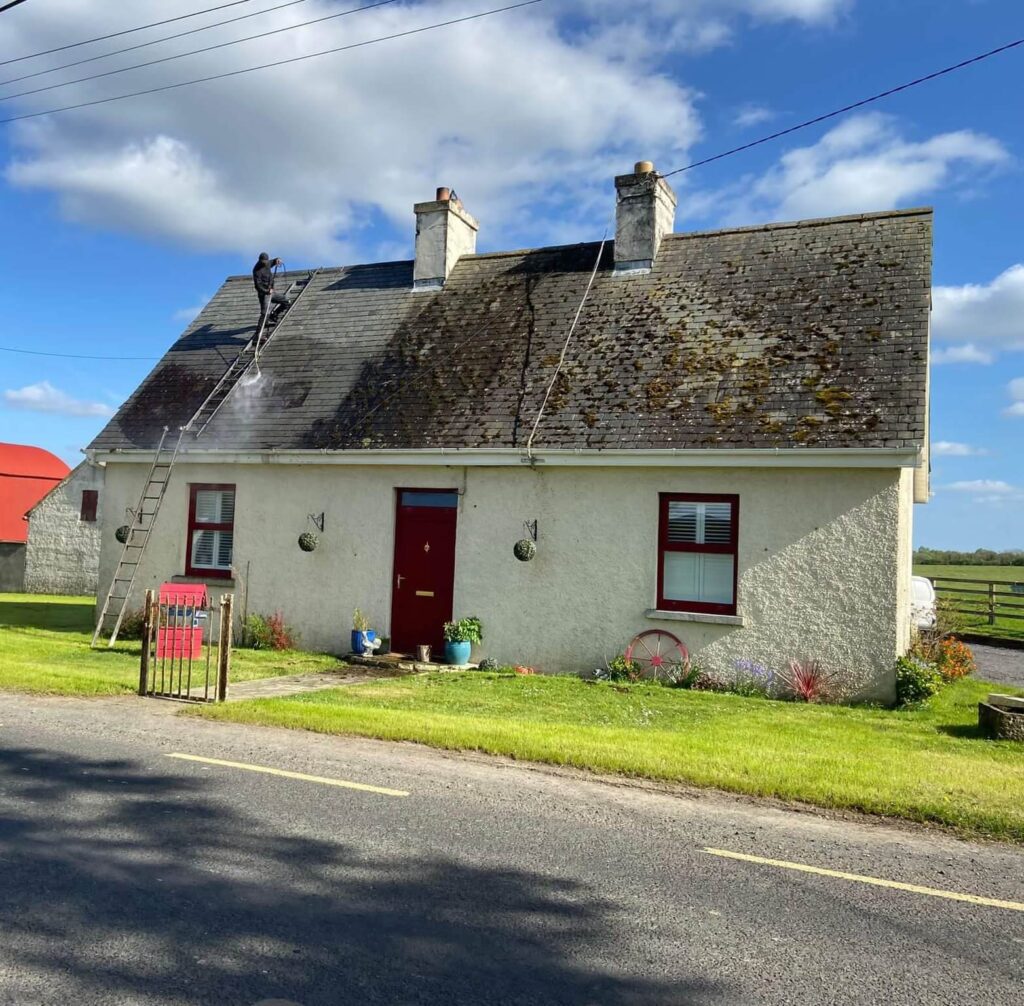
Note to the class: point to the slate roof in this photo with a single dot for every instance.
(809, 334)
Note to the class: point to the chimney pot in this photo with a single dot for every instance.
(643, 167)
(443, 194)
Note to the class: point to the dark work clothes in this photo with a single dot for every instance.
(263, 277)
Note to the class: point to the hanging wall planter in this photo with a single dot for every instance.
(121, 534)
(308, 541)
(526, 548)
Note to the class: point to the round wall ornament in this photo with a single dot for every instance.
(524, 549)
(308, 541)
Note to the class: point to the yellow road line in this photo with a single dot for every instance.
(973, 899)
(344, 784)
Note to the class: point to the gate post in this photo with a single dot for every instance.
(147, 632)
(991, 603)
(224, 647)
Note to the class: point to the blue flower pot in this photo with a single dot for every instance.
(457, 653)
(357, 640)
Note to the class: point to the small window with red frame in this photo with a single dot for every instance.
(697, 545)
(211, 530)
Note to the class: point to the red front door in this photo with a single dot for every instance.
(424, 574)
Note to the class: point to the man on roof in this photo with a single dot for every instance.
(263, 280)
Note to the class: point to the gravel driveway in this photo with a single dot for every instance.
(996, 663)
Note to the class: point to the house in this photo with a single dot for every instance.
(728, 447)
(27, 474)
(62, 553)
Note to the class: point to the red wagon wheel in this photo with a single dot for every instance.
(655, 651)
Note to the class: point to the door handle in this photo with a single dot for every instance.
(400, 579)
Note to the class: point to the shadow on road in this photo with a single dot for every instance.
(125, 884)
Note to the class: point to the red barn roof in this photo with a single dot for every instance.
(27, 474)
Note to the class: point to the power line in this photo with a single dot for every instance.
(126, 31)
(193, 52)
(8, 6)
(849, 108)
(73, 356)
(155, 41)
(280, 62)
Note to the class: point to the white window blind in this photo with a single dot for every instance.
(698, 576)
(699, 523)
(215, 506)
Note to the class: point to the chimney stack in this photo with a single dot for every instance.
(444, 232)
(645, 212)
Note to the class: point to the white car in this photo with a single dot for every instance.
(922, 602)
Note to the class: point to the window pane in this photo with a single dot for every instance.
(215, 506)
(430, 499)
(212, 549)
(696, 576)
(699, 523)
(682, 522)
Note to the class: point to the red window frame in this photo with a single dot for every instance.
(732, 548)
(194, 488)
(90, 501)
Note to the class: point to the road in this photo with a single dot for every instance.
(132, 877)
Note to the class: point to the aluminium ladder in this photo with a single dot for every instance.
(156, 485)
(142, 520)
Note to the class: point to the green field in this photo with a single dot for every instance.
(1004, 627)
(44, 648)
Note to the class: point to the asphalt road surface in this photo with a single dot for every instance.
(128, 876)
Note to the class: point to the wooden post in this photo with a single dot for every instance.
(147, 632)
(224, 647)
(991, 603)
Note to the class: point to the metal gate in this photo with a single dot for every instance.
(184, 655)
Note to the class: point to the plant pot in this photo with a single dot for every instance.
(357, 640)
(457, 653)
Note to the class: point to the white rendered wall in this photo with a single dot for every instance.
(821, 557)
(63, 551)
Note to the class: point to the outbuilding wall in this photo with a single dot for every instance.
(62, 554)
(821, 558)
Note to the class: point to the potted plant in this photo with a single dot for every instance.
(459, 638)
(362, 634)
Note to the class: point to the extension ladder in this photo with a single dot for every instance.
(115, 603)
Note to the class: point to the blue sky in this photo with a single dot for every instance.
(119, 220)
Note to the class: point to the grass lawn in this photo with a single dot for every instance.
(44, 648)
(927, 764)
(1012, 628)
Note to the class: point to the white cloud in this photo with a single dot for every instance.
(991, 313)
(186, 315)
(752, 115)
(525, 113)
(1016, 391)
(44, 397)
(862, 164)
(954, 449)
(990, 486)
(967, 353)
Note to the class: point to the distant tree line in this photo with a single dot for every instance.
(979, 557)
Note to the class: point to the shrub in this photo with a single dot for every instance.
(807, 681)
(752, 679)
(619, 669)
(268, 632)
(954, 659)
(488, 664)
(465, 630)
(359, 621)
(131, 624)
(916, 680)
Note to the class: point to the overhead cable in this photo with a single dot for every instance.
(118, 34)
(275, 63)
(848, 108)
(195, 52)
(153, 41)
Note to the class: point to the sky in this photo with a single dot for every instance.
(120, 219)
